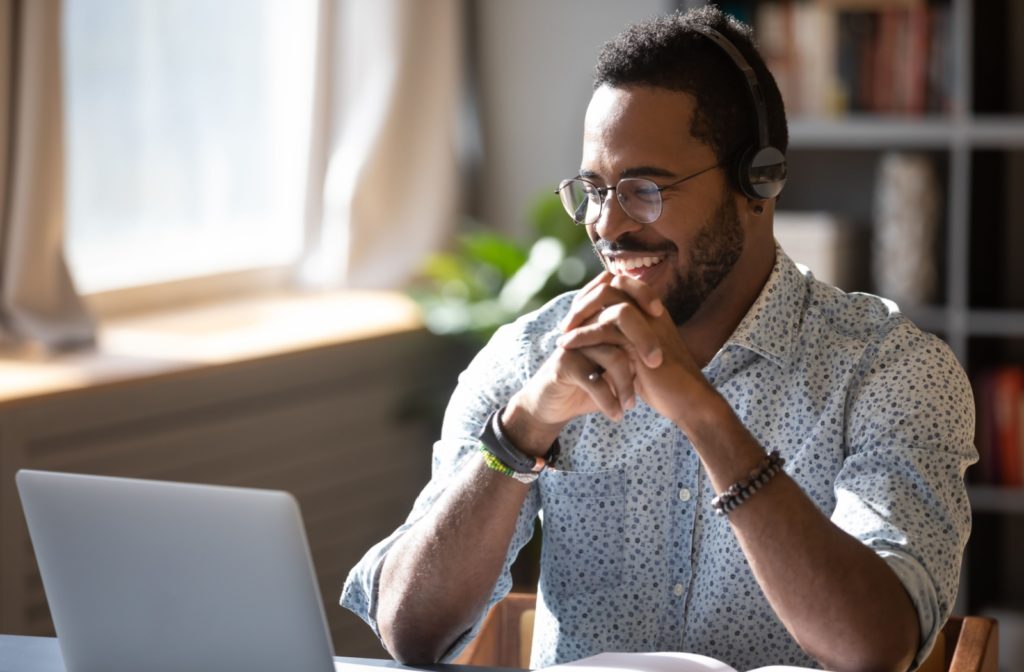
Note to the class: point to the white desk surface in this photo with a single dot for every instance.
(42, 654)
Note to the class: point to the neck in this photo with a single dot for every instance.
(715, 321)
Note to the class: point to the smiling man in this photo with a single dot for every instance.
(728, 456)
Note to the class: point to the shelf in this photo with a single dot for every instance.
(928, 318)
(995, 499)
(996, 322)
(887, 132)
(870, 132)
(991, 132)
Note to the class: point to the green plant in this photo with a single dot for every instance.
(490, 279)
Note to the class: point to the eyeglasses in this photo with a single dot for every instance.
(639, 197)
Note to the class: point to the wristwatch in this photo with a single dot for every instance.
(494, 440)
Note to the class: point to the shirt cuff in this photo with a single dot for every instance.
(921, 590)
(361, 592)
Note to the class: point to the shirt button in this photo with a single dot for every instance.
(678, 589)
(684, 495)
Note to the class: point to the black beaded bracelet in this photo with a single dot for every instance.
(740, 491)
(493, 438)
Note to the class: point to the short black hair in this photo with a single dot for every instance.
(668, 52)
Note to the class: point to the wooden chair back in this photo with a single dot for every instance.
(506, 636)
(966, 644)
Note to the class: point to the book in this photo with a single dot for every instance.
(1006, 402)
(883, 78)
(940, 59)
(874, 56)
(667, 661)
(917, 60)
(777, 45)
(815, 29)
(906, 223)
(999, 433)
(825, 243)
(987, 469)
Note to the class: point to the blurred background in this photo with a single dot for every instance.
(254, 241)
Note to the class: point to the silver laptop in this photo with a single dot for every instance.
(158, 576)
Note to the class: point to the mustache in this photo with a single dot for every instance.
(626, 243)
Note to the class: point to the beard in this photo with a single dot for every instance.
(710, 257)
(713, 253)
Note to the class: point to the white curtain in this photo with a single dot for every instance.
(38, 302)
(383, 187)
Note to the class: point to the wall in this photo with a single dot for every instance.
(535, 70)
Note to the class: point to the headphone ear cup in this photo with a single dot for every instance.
(761, 173)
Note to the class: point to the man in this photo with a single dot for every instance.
(702, 373)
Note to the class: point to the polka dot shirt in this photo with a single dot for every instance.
(874, 418)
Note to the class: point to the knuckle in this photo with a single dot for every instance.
(615, 312)
(623, 282)
(606, 317)
(623, 316)
(618, 357)
(561, 358)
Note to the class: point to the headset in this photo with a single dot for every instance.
(760, 170)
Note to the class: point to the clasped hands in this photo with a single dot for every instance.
(619, 329)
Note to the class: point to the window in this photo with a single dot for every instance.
(187, 133)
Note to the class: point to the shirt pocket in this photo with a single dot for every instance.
(584, 518)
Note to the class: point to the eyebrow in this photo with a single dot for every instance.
(638, 171)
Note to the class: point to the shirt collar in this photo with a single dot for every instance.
(771, 326)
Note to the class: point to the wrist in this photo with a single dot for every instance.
(528, 434)
(724, 444)
(507, 457)
(701, 410)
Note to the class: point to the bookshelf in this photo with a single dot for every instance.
(974, 139)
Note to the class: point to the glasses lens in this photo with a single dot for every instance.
(581, 200)
(640, 199)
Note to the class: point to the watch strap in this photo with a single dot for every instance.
(496, 442)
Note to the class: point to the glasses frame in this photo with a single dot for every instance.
(603, 193)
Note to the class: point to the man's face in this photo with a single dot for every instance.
(690, 249)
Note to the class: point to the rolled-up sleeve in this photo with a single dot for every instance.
(901, 489)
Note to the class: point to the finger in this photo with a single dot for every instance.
(604, 374)
(592, 303)
(622, 325)
(637, 330)
(610, 380)
(641, 293)
(601, 278)
(612, 290)
(584, 299)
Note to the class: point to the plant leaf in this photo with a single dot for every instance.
(494, 250)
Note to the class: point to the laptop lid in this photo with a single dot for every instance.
(159, 576)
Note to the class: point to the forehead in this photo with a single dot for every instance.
(641, 126)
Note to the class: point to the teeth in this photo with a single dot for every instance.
(622, 265)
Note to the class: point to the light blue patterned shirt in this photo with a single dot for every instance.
(874, 418)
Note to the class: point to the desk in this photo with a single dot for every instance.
(42, 654)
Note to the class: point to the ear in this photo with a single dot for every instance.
(756, 207)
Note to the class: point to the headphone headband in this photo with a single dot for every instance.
(761, 172)
(751, 77)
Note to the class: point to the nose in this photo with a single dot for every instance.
(613, 221)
